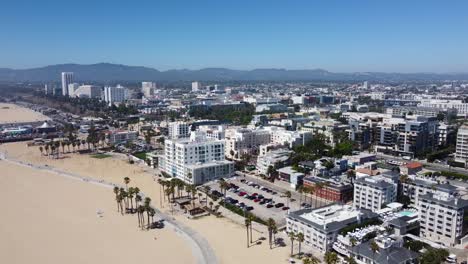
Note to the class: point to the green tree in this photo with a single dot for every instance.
(331, 257)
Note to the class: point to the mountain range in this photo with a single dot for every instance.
(107, 72)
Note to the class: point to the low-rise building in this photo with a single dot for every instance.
(121, 136)
(321, 226)
(276, 158)
(330, 189)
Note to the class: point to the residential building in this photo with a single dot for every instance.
(462, 108)
(196, 159)
(321, 226)
(240, 141)
(67, 78)
(291, 176)
(442, 218)
(114, 95)
(178, 129)
(276, 158)
(196, 86)
(374, 192)
(213, 131)
(461, 152)
(414, 187)
(446, 134)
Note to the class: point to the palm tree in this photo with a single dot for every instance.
(287, 194)
(131, 192)
(300, 190)
(73, 145)
(351, 260)
(194, 191)
(251, 219)
(351, 175)
(147, 208)
(126, 181)
(168, 192)
(141, 219)
(374, 247)
(152, 212)
(199, 198)
(47, 149)
(292, 236)
(41, 149)
(78, 143)
(116, 191)
(271, 224)
(119, 201)
(311, 260)
(300, 239)
(211, 205)
(62, 143)
(206, 189)
(331, 258)
(247, 224)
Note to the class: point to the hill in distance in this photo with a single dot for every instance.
(104, 72)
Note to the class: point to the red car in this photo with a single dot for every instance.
(254, 194)
(256, 200)
(242, 193)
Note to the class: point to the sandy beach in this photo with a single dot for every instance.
(11, 113)
(51, 219)
(228, 239)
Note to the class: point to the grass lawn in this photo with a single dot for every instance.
(140, 155)
(101, 156)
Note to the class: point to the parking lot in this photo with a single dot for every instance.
(260, 200)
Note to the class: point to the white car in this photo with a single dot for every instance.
(452, 258)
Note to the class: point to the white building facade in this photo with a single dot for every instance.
(67, 78)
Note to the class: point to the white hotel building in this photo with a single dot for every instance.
(196, 160)
(374, 192)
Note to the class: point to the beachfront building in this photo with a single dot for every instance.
(121, 136)
(178, 129)
(196, 159)
(414, 187)
(321, 226)
(374, 192)
(442, 218)
(461, 152)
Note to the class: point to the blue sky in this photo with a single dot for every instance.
(344, 36)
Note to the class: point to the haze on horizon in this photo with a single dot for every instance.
(351, 36)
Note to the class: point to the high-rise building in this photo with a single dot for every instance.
(461, 152)
(147, 88)
(195, 86)
(72, 87)
(67, 78)
(114, 95)
(195, 160)
(49, 88)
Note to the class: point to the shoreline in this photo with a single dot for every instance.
(200, 248)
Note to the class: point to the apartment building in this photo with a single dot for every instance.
(374, 192)
(462, 108)
(415, 187)
(178, 129)
(276, 158)
(321, 226)
(196, 159)
(240, 141)
(442, 218)
(461, 152)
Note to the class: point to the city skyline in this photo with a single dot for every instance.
(340, 37)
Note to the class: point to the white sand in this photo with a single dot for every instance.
(228, 239)
(11, 113)
(48, 219)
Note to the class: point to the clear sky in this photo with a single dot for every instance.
(344, 36)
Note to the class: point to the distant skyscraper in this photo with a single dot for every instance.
(49, 89)
(72, 87)
(195, 86)
(365, 85)
(114, 94)
(67, 78)
(147, 88)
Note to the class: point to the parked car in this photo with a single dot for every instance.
(269, 206)
(249, 208)
(285, 208)
(278, 205)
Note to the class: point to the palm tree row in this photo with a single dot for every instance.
(53, 147)
(296, 236)
(129, 201)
